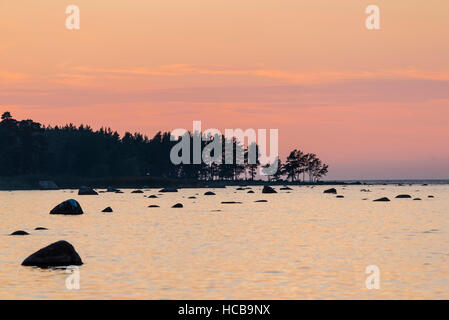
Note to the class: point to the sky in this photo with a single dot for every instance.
(373, 104)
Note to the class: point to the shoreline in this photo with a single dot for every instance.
(31, 183)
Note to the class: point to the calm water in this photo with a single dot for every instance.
(299, 245)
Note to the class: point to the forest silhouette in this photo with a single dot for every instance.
(30, 148)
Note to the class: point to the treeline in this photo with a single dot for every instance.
(29, 148)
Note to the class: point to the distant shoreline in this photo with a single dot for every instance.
(32, 182)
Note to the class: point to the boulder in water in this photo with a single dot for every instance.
(331, 190)
(19, 233)
(261, 201)
(70, 207)
(178, 205)
(40, 228)
(268, 189)
(86, 191)
(169, 190)
(153, 196)
(137, 191)
(250, 191)
(340, 197)
(108, 209)
(153, 206)
(430, 196)
(209, 193)
(417, 199)
(384, 199)
(192, 197)
(57, 254)
(403, 196)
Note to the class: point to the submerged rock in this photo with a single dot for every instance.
(111, 189)
(384, 199)
(153, 196)
(108, 209)
(86, 191)
(153, 206)
(192, 197)
(331, 190)
(286, 188)
(230, 202)
(417, 199)
(137, 191)
(250, 191)
(70, 207)
(268, 189)
(169, 190)
(430, 196)
(403, 196)
(209, 193)
(261, 201)
(178, 205)
(19, 233)
(118, 191)
(57, 254)
(340, 197)
(40, 228)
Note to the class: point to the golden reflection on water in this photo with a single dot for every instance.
(299, 245)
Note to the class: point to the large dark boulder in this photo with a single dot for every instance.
(331, 191)
(209, 193)
(384, 199)
(19, 233)
(268, 189)
(57, 254)
(169, 190)
(403, 196)
(71, 207)
(86, 191)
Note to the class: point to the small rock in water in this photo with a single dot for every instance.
(417, 199)
(261, 201)
(403, 196)
(178, 205)
(384, 199)
(192, 197)
(86, 191)
(70, 207)
(230, 202)
(340, 196)
(286, 188)
(268, 189)
(209, 193)
(215, 210)
(137, 191)
(153, 196)
(19, 233)
(111, 189)
(119, 191)
(365, 190)
(250, 191)
(153, 206)
(430, 196)
(40, 228)
(332, 190)
(169, 190)
(108, 209)
(57, 254)
(240, 188)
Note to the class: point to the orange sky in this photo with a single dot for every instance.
(372, 104)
